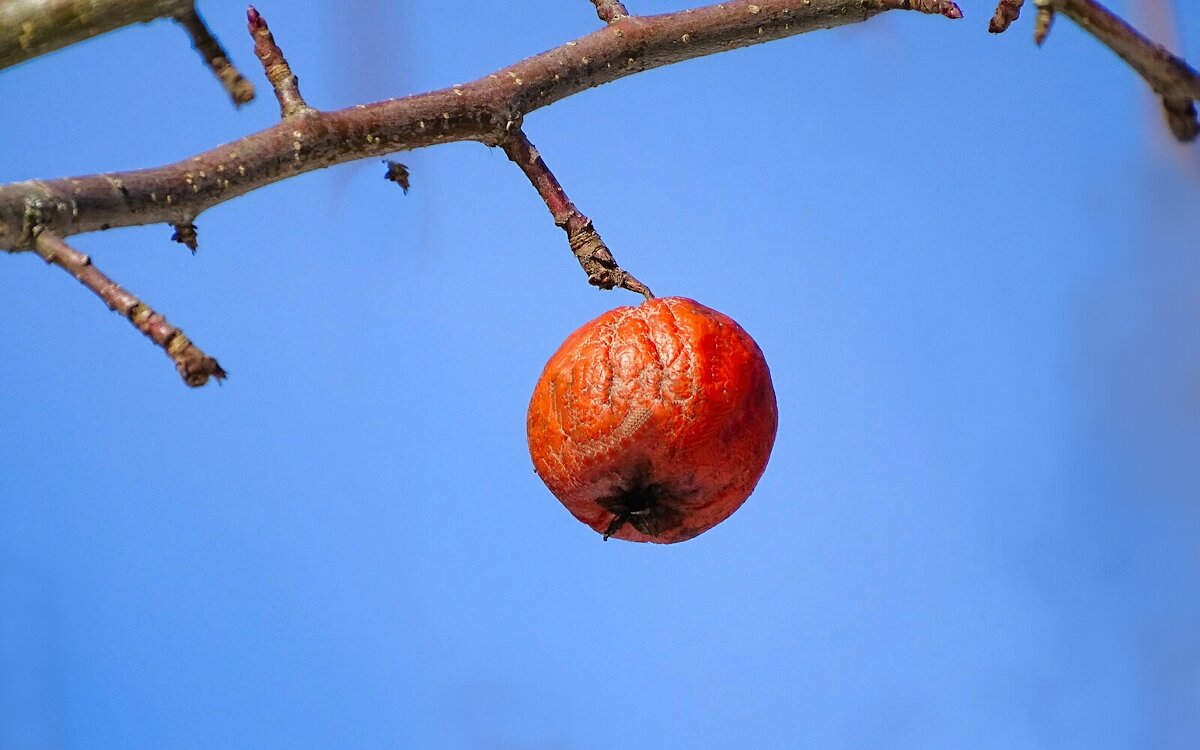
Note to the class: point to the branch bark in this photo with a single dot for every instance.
(29, 28)
(1171, 78)
(486, 110)
(194, 366)
(38, 214)
(279, 73)
(1176, 82)
(239, 89)
(593, 255)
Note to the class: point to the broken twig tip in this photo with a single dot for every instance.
(242, 94)
(1042, 24)
(630, 283)
(197, 372)
(239, 89)
(1181, 118)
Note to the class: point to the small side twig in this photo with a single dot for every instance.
(1176, 82)
(279, 73)
(1170, 77)
(478, 110)
(235, 84)
(591, 252)
(194, 366)
(29, 28)
(610, 10)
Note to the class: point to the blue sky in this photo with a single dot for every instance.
(971, 266)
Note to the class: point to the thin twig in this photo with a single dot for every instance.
(610, 10)
(194, 366)
(239, 89)
(484, 110)
(29, 28)
(1175, 82)
(279, 73)
(591, 252)
(1171, 77)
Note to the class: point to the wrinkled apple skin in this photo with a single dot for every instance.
(654, 423)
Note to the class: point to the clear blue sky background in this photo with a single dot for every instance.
(972, 266)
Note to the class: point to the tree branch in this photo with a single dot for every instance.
(194, 366)
(239, 89)
(485, 110)
(1175, 82)
(279, 73)
(591, 252)
(29, 28)
(1171, 78)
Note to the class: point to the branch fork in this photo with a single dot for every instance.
(39, 214)
(194, 366)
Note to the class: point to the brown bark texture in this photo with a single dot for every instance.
(485, 110)
(37, 215)
(29, 28)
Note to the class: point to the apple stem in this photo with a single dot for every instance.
(591, 252)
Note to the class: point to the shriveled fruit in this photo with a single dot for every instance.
(653, 423)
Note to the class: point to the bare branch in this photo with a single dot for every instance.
(1176, 82)
(610, 10)
(37, 214)
(1171, 78)
(591, 252)
(194, 366)
(239, 89)
(485, 110)
(279, 73)
(29, 28)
